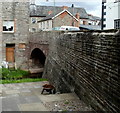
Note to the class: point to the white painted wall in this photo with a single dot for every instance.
(112, 13)
(45, 25)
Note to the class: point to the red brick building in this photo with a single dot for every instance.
(63, 18)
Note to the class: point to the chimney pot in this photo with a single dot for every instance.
(77, 15)
(49, 12)
(65, 7)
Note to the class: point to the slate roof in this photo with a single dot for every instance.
(91, 17)
(90, 27)
(51, 16)
(43, 10)
(48, 17)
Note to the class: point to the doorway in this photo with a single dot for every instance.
(10, 53)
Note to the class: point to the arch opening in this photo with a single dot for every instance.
(37, 61)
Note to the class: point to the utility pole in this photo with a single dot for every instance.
(102, 18)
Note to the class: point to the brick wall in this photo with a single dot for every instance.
(64, 20)
(87, 63)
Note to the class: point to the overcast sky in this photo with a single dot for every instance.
(92, 6)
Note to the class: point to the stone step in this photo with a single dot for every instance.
(11, 65)
(36, 70)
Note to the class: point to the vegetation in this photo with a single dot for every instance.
(23, 80)
(13, 74)
(16, 76)
(66, 102)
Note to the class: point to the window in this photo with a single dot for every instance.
(47, 24)
(43, 25)
(84, 23)
(33, 20)
(8, 26)
(117, 24)
(33, 30)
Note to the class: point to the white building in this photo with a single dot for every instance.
(111, 15)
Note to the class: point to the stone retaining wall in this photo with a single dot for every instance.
(87, 63)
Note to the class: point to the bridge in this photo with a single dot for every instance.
(85, 62)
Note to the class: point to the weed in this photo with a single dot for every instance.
(66, 102)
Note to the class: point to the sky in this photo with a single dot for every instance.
(91, 6)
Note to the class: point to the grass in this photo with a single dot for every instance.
(23, 80)
(13, 74)
(16, 76)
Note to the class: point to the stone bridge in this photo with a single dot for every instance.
(86, 63)
(38, 49)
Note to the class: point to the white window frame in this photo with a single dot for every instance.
(33, 20)
(117, 24)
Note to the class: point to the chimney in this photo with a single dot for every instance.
(64, 7)
(49, 12)
(77, 16)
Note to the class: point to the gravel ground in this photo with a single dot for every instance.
(67, 105)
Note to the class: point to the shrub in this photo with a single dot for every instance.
(13, 74)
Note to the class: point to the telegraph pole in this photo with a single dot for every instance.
(102, 18)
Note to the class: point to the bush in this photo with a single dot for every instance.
(13, 74)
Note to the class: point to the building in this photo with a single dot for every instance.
(93, 20)
(63, 18)
(91, 23)
(14, 32)
(34, 18)
(111, 14)
(38, 13)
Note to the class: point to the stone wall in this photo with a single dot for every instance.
(19, 13)
(0, 33)
(0, 51)
(40, 40)
(87, 63)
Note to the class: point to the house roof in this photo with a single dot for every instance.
(43, 10)
(91, 17)
(37, 15)
(90, 27)
(52, 16)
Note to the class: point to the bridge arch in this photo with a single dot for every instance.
(37, 58)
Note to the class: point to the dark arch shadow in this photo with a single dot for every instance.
(37, 58)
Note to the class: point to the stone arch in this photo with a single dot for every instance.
(37, 58)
